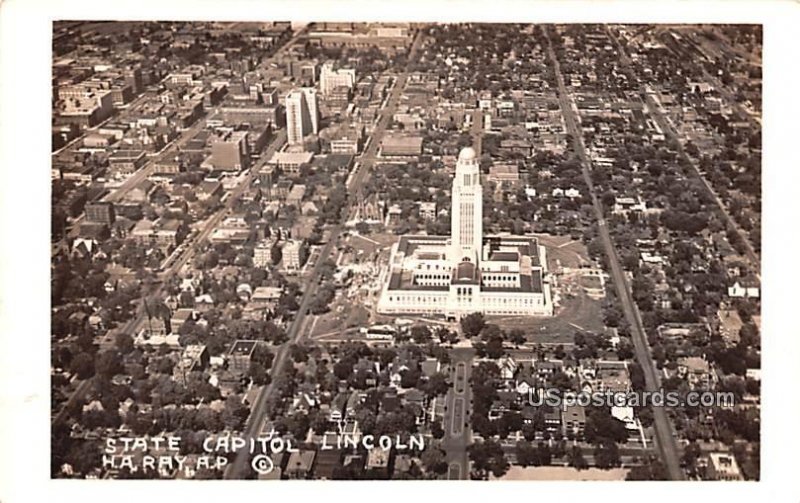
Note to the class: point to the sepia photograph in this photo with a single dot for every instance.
(333, 246)
(342, 250)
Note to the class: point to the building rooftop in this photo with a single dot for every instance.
(125, 155)
(501, 256)
(291, 158)
(425, 248)
(300, 461)
(466, 273)
(242, 347)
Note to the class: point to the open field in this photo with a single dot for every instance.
(576, 313)
(563, 251)
(371, 242)
(590, 281)
(343, 315)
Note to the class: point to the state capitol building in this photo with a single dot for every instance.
(467, 272)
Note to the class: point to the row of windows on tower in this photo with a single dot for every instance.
(470, 179)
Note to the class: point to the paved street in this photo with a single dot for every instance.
(663, 428)
(259, 413)
(458, 412)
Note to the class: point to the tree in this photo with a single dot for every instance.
(209, 420)
(625, 351)
(487, 456)
(517, 337)
(433, 459)
(494, 348)
(543, 454)
(201, 389)
(320, 424)
(276, 253)
(576, 459)
(409, 378)
(491, 331)
(601, 425)
(321, 302)
(446, 336)
(299, 425)
(508, 422)
(690, 455)
(421, 334)
(562, 381)
(527, 455)
(109, 363)
(84, 456)
(473, 324)
(299, 353)
(606, 454)
(82, 365)
(651, 469)
(435, 385)
(258, 374)
(165, 365)
(529, 431)
(362, 228)
(262, 354)
(437, 431)
(124, 342)
(235, 413)
(343, 368)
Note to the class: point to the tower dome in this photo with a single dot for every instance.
(467, 154)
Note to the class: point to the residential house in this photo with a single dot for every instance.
(300, 464)
(574, 419)
(722, 466)
(744, 289)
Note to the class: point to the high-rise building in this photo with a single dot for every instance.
(231, 153)
(466, 225)
(262, 253)
(266, 178)
(292, 260)
(302, 114)
(330, 79)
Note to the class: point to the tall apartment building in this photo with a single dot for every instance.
(240, 356)
(291, 255)
(262, 254)
(330, 79)
(302, 114)
(231, 153)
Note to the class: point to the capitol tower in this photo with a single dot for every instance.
(467, 209)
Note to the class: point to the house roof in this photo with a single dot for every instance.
(301, 460)
(429, 367)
